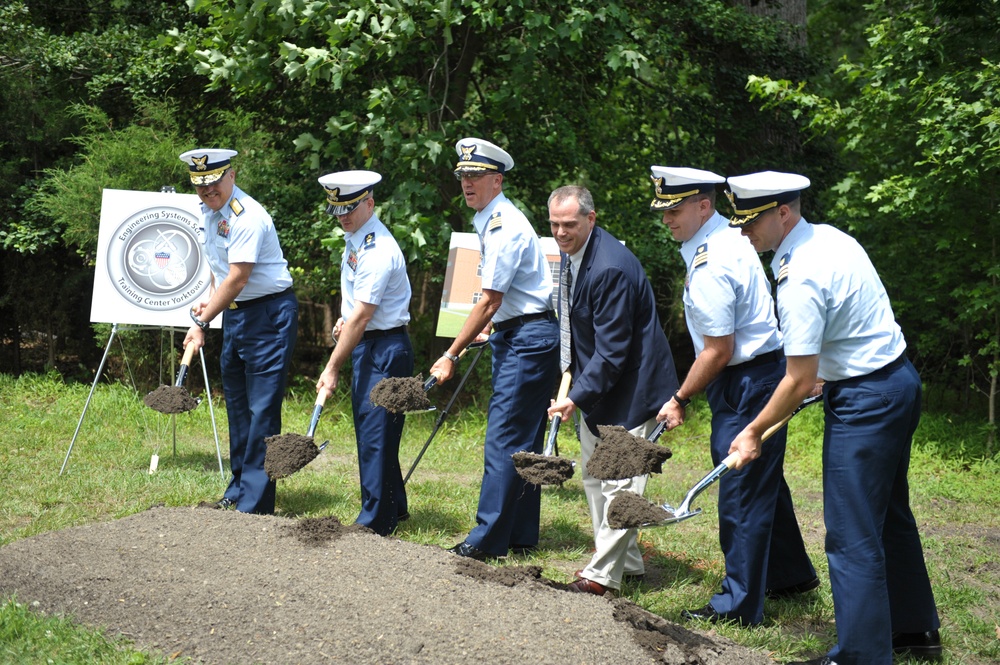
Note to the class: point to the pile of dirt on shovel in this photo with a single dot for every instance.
(170, 399)
(223, 587)
(629, 510)
(543, 469)
(400, 394)
(621, 455)
(287, 453)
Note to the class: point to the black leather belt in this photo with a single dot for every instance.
(256, 301)
(763, 359)
(500, 326)
(373, 334)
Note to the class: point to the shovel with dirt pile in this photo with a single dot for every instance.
(629, 510)
(287, 453)
(407, 394)
(547, 468)
(175, 398)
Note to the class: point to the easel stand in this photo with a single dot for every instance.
(208, 397)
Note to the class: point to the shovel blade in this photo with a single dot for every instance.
(674, 516)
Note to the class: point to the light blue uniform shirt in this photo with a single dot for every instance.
(512, 260)
(726, 291)
(242, 232)
(831, 302)
(373, 271)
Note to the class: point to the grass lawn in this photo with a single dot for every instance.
(954, 489)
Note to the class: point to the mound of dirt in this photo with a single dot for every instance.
(225, 587)
(287, 453)
(170, 399)
(542, 469)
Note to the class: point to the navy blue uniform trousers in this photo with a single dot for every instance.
(525, 372)
(257, 345)
(758, 531)
(377, 431)
(877, 571)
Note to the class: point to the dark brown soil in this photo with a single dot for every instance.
(621, 455)
(400, 394)
(224, 587)
(543, 469)
(287, 453)
(170, 399)
(629, 511)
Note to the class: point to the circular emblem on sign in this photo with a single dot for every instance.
(155, 259)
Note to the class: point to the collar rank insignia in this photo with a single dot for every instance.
(494, 222)
(236, 207)
(783, 267)
(369, 241)
(700, 256)
(467, 151)
(200, 163)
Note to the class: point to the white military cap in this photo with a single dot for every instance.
(755, 193)
(207, 165)
(345, 190)
(479, 156)
(675, 183)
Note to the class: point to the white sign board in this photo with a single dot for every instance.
(150, 265)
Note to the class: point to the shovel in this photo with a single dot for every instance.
(547, 468)
(175, 398)
(684, 511)
(288, 453)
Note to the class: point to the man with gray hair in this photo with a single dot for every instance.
(619, 359)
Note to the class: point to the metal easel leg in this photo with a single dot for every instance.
(211, 410)
(97, 376)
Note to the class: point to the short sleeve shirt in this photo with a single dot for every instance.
(831, 302)
(243, 232)
(512, 260)
(726, 292)
(373, 271)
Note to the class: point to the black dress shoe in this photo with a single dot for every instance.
(467, 550)
(403, 517)
(815, 661)
(706, 613)
(926, 646)
(225, 503)
(792, 590)
(523, 550)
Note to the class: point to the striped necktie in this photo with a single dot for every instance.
(565, 348)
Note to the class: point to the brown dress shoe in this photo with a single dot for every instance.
(583, 585)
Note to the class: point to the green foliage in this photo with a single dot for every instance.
(918, 128)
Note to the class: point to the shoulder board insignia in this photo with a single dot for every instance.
(369, 241)
(700, 256)
(783, 267)
(494, 222)
(236, 206)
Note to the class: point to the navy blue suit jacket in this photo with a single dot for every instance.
(623, 370)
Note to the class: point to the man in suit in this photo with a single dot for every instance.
(515, 300)
(621, 365)
(838, 325)
(738, 362)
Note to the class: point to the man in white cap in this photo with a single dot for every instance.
(620, 362)
(371, 331)
(738, 361)
(838, 326)
(516, 293)
(252, 288)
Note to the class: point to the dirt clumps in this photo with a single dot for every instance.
(287, 453)
(621, 455)
(629, 510)
(543, 469)
(318, 531)
(400, 394)
(170, 399)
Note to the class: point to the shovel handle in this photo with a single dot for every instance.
(433, 379)
(550, 444)
(185, 363)
(317, 409)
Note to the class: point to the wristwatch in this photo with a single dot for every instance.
(198, 322)
(680, 402)
(450, 356)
